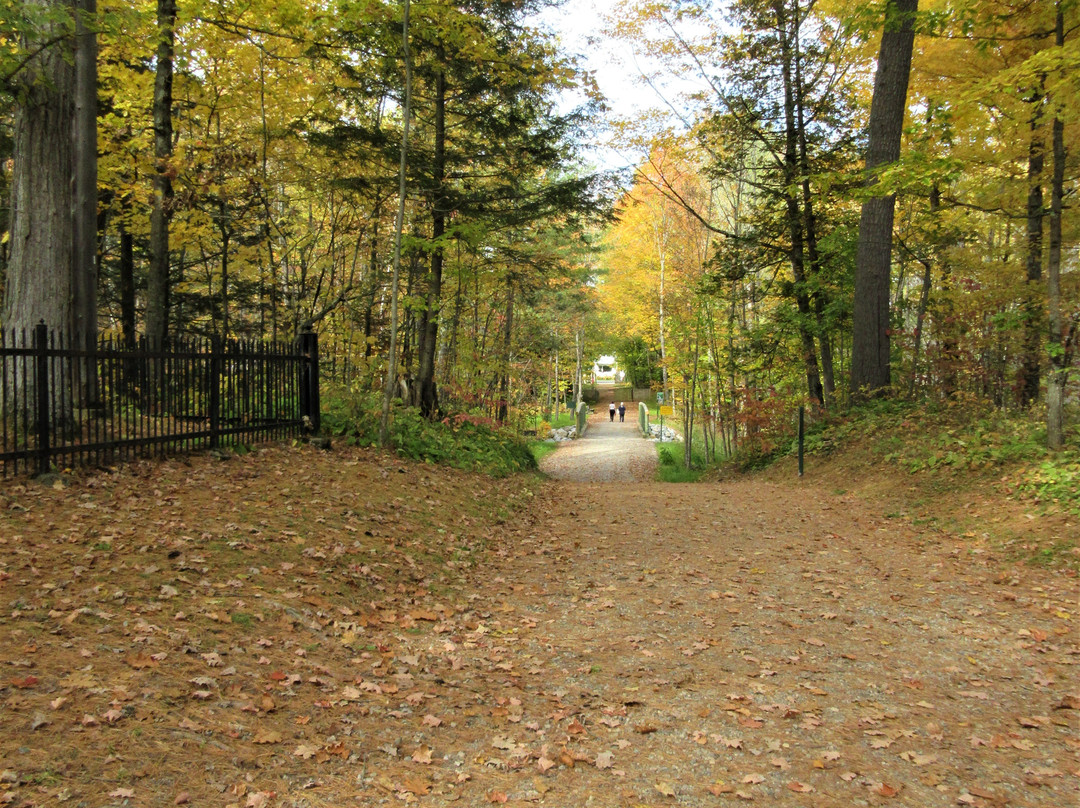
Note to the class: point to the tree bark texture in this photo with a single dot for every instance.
(870, 371)
(427, 392)
(1062, 334)
(84, 213)
(40, 283)
(1030, 363)
(157, 292)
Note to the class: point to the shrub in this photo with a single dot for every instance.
(460, 440)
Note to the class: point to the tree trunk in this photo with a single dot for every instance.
(508, 332)
(157, 291)
(85, 203)
(127, 286)
(1031, 361)
(427, 393)
(794, 214)
(40, 283)
(1062, 335)
(870, 373)
(390, 382)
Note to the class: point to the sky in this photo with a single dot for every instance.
(617, 67)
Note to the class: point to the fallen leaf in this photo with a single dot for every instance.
(752, 779)
(665, 788)
(422, 755)
(716, 789)
(545, 764)
(183, 798)
(885, 790)
(800, 788)
(140, 661)
(267, 736)
(122, 793)
(497, 796)
(305, 751)
(605, 760)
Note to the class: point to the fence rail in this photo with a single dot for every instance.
(64, 404)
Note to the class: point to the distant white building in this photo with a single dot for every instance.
(605, 370)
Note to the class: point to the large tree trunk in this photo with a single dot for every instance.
(870, 373)
(157, 292)
(84, 214)
(40, 282)
(427, 393)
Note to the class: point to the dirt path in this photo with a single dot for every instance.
(763, 642)
(611, 451)
(170, 638)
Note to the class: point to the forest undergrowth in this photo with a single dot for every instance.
(969, 470)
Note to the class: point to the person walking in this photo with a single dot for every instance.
(611, 411)
(622, 410)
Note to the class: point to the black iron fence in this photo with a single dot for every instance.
(64, 404)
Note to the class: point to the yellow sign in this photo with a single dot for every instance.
(667, 409)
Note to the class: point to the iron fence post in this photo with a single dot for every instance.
(215, 391)
(41, 383)
(309, 386)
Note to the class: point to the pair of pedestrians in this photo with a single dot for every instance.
(622, 411)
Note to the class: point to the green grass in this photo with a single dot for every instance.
(671, 468)
(541, 449)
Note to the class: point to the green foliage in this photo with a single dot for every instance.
(460, 441)
(962, 437)
(541, 449)
(1054, 483)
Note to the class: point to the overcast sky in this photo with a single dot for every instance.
(579, 24)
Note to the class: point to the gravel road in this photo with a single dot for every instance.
(609, 452)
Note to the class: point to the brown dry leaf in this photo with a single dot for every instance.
(605, 760)
(183, 798)
(305, 751)
(417, 786)
(122, 793)
(267, 736)
(752, 779)
(258, 799)
(716, 789)
(545, 764)
(140, 661)
(422, 755)
(645, 729)
(497, 796)
(800, 788)
(750, 723)
(665, 788)
(431, 720)
(885, 790)
(576, 728)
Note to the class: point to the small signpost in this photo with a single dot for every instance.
(664, 410)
